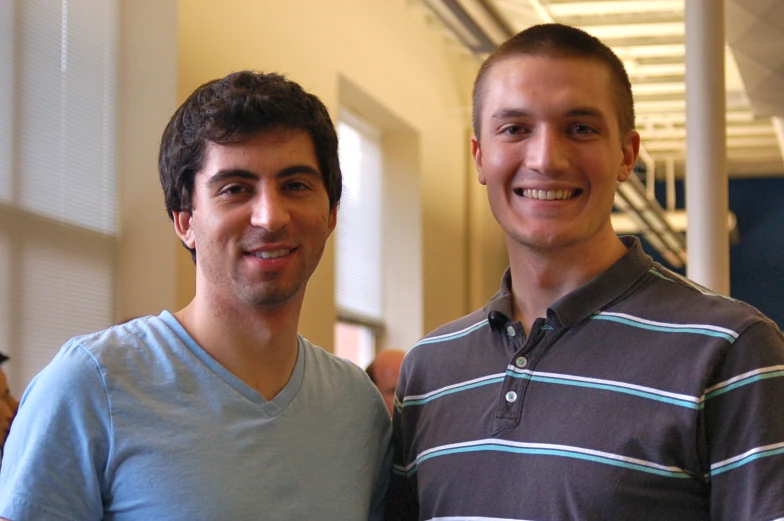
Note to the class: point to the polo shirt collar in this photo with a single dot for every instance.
(590, 298)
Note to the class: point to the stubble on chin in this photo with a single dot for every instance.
(270, 293)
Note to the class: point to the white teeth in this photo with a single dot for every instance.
(547, 195)
(271, 254)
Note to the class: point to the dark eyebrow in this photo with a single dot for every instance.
(238, 173)
(585, 111)
(577, 111)
(222, 175)
(299, 169)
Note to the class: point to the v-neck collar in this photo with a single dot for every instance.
(269, 407)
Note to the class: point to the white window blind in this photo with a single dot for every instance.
(359, 231)
(58, 222)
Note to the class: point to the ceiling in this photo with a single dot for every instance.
(648, 35)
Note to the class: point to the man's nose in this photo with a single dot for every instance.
(270, 210)
(546, 152)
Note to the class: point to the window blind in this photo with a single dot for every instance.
(358, 242)
(58, 221)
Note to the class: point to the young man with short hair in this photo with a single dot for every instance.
(596, 384)
(220, 410)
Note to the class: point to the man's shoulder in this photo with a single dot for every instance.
(458, 328)
(127, 346)
(451, 339)
(330, 365)
(686, 300)
(143, 333)
(335, 378)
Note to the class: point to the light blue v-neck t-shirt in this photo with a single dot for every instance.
(138, 422)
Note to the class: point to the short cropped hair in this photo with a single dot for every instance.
(559, 41)
(231, 109)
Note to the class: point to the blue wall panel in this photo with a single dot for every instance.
(757, 259)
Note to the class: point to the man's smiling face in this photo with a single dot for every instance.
(550, 151)
(261, 218)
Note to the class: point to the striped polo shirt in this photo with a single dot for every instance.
(640, 396)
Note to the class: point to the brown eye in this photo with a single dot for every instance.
(296, 186)
(234, 190)
(583, 129)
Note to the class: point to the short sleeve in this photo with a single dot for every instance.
(58, 446)
(744, 427)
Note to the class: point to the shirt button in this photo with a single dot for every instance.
(521, 362)
(510, 331)
(511, 397)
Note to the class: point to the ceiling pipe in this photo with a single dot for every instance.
(651, 221)
(650, 173)
(474, 22)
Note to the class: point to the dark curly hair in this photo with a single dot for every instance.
(240, 105)
(559, 41)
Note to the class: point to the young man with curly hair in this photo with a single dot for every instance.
(219, 410)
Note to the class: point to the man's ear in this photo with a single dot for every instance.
(333, 219)
(476, 151)
(183, 229)
(631, 149)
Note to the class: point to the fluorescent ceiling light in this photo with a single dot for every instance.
(657, 145)
(752, 142)
(663, 145)
(648, 51)
(778, 128)
(657, 69)
(591, 8)
(660, 105)
(606, 32)
(732, 131)
(641, 89)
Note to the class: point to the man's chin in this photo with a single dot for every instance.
(269, 299)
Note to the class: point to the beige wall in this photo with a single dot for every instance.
(145, 271)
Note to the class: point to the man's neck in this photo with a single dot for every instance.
(540, 278)
(257, 345)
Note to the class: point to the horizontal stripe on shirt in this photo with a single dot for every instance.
(546, 449)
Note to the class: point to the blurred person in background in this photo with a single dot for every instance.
(384, 371)
(8, 404)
